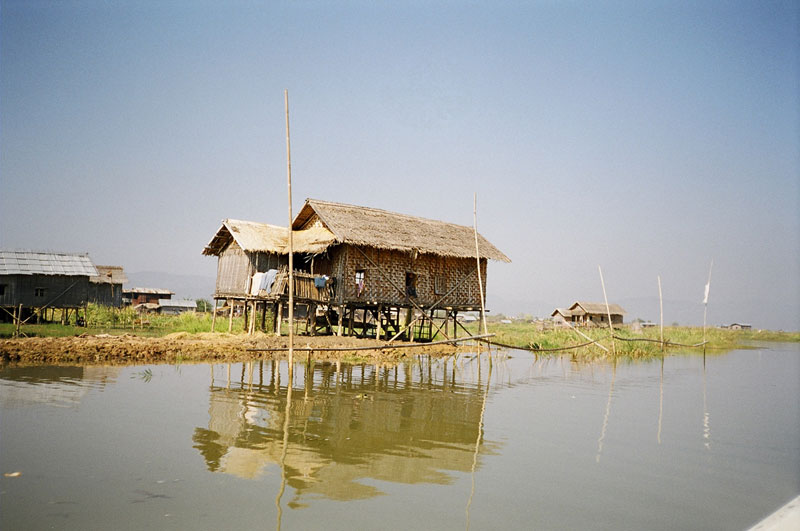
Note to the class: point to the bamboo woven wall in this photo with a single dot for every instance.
(385, 272)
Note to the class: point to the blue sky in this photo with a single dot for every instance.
(645, 137)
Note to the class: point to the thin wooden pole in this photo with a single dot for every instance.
(661, 308)
(291, 239)
(478, 258)
(608, 311)
(214, 316)
(705, 300)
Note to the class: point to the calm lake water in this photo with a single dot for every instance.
(691, 443)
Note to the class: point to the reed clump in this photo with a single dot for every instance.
(629, 342)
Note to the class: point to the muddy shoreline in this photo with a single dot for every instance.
(182, 347)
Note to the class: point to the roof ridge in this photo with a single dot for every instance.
(384, 211)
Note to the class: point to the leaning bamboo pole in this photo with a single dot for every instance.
(705, 300)
(608, 312)
(478, 258)
(661, 308)
(291, 242)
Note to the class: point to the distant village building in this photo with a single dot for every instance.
(138, 296)
(588, 314)
(176, 306)
(561, 316)
(740, 326)
(37, 283)
(361, 267)
(105, 289)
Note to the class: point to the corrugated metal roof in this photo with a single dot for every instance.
(40, 263)
(147, 291)
(177, 303)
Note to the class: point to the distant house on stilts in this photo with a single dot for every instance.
(34, 284)
(364, 271)
(588, 314)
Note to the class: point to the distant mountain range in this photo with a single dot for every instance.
(184, 286)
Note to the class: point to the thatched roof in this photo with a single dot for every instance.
(109, 275)
(563, 311)
(388, 230)
(595, 308)
(261, 237)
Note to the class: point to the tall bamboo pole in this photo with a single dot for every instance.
(661, 308)
(608, 311)
(705, 300)
(478, 258)
(291, 242)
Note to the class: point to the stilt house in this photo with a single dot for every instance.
(36, 283)
(372, 268)
(595, 313)
(106, 288)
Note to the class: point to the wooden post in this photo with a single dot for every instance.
(246, 315)
(350, 320)
(279, 318)
(341, 320)
(252, 328)
(19, 321)
(378, 329)
(478, 259)
(264, 316)
(213, 316)
(455, 324)
(230, 316)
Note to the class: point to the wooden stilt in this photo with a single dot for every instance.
(341, 318)
(246, 315)
(378, 329)
(264, 316)
(230, 316)
(350, 320)
(213, 316)
(278, 319)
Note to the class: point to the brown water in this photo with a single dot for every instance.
(691, 443)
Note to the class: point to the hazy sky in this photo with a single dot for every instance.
(645, 137)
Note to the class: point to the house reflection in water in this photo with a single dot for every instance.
(408, 424)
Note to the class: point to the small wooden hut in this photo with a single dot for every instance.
(34, 284)
(367, 270)
(596, 313)
(139, 296)
(105, 289)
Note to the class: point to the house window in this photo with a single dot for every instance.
(439, 284)
(38, 292)
(411, 285)
(2, 290)
(360, 273)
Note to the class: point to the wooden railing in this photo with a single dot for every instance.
(304, 287)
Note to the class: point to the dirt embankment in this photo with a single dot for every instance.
(183, 347)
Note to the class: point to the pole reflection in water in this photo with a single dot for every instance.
(284, 448)
(608, 412)
(706, 426)
(352, 427)
(480, 436)
(661, 399)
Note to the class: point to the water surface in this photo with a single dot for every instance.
(688, 442)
